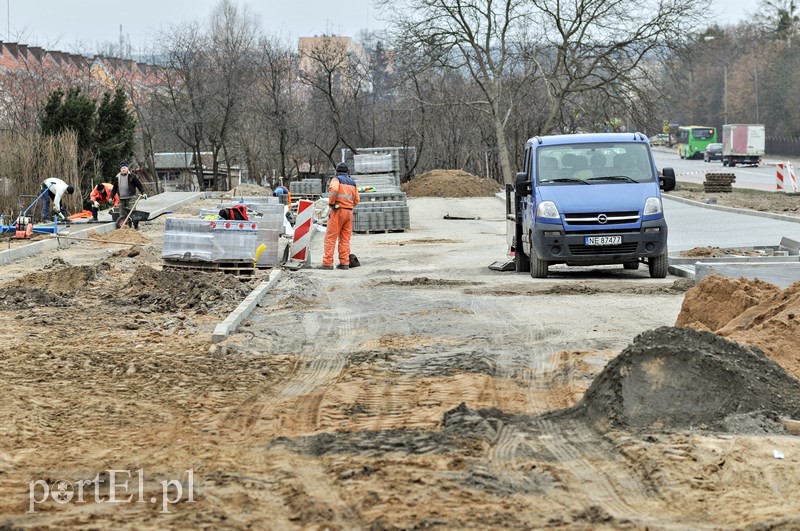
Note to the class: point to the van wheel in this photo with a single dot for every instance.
(538, 267)
(633, 266)
(659, 266)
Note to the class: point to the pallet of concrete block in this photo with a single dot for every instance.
(377, 197)
(386, 182)
(718, 182)
(381, 216)
(308, 186)
(379, 159)
(207, 245)
(270, 218)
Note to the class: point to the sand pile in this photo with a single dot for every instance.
(123, 235)
(680, 378)
(168, 290)
(249, 190)
(751, 312)
(450, 183)
(717, 252)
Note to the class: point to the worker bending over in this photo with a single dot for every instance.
(101, 194)
(56, 188)
(342, 199)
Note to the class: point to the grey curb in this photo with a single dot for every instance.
(245, 308)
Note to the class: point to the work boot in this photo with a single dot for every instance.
(343, 266)
(327, 268)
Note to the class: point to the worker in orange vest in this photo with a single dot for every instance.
(342, 199)
(101, 194)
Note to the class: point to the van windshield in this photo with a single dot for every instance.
(605, 163)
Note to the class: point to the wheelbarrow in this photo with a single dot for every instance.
(136, 216)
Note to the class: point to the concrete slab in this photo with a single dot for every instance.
(782, 275)
(245, 308)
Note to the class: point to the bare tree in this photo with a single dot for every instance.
(604, 46)
(277, 101)
(476, 35)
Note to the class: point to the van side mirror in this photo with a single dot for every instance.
(522, 186)
(666, 180)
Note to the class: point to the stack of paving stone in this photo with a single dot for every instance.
(382, 211)
(310, 186)
(719, 182)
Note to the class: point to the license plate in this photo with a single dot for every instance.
(604, 240)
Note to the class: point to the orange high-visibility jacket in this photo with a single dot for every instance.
(342, 190)
(102, 197)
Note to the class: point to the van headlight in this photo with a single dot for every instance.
(652, 206)
(547, 209)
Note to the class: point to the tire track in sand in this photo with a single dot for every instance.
(579, 451)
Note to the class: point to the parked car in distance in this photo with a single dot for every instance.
(713, 152)
(661, 139)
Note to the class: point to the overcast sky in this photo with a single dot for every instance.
(82, 25)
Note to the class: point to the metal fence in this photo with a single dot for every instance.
(788, 146)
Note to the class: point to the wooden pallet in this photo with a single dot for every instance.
(231, 268)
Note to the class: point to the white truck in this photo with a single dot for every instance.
(742, 144)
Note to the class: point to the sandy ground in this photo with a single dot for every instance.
(421, 390)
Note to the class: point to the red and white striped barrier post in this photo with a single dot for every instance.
(791, 185)
(298, 253)
(779, 177)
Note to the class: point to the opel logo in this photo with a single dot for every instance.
(602, 219)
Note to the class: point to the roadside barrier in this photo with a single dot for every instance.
(302, 231)
(785, 179)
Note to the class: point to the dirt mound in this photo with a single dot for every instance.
(123, 235)
(717, 252)
(715, 300)
(61, 278)
(450, 183)
(173, 290)
(751, 312)
(679, 378)
(23, 297)
(250, 189)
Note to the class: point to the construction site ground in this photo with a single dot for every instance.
(420, 390)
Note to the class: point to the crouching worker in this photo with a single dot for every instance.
(100, 195)
(56, 188)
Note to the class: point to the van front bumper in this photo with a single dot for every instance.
(571, 247)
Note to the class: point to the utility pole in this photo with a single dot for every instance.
(725, 92)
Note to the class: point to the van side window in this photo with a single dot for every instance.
(526, 161)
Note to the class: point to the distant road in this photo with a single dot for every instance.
(693, 171)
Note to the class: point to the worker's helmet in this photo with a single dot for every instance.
(342, 168)
(280, 190)
(70, 189)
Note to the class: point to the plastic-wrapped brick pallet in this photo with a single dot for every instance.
(198, 240)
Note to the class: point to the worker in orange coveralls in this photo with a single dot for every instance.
(102, 194)
(342, 199)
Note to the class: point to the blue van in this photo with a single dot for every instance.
(589, 199)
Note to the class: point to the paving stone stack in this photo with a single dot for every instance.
(718, 182)
(381, 211)
(309, 186)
